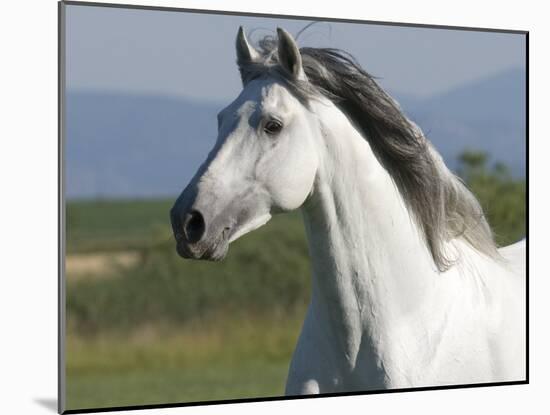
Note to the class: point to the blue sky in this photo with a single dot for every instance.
(127, 136)
(192, 55)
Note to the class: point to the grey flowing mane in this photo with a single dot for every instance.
(439, 202)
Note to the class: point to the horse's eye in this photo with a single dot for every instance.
(273, 127)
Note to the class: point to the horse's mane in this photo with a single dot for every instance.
(440, 203)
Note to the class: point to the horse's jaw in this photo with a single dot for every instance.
(250, 226)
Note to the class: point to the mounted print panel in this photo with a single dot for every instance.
(261, 207)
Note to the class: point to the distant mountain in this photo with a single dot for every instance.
(121, 145)
(124, 145)
(487, 115)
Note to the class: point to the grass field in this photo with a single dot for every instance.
(197, 362)
(168, 330)
(115, 225)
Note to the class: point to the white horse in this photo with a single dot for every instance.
(408, 289)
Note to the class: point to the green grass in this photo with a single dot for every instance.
(169, 385)
(267, 271)
(170, 330)
(111, 225)
(217, 359)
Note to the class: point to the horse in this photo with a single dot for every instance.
(408, 288)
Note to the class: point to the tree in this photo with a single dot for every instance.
(501, 195)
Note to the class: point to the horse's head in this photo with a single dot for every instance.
(263, 162)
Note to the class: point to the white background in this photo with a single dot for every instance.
(28, 203)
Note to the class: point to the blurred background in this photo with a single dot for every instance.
(143, 89)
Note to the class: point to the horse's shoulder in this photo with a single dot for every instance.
(515, 257)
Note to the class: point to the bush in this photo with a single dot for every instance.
(501, 195)
(265, 272)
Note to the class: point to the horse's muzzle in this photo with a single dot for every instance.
(192, 239)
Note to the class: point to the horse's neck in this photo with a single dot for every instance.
(371, 267)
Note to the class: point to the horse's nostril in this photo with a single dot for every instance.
(194, 226)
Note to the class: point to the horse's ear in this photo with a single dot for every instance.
(245, 53)
(289, 55)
